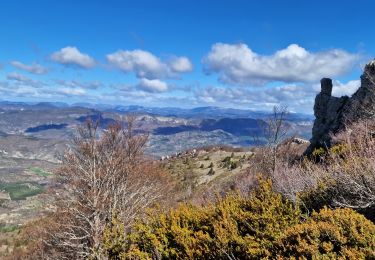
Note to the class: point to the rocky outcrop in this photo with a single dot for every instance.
(333, 114)
(362, 104)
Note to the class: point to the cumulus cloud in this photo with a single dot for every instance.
(34, 68)
(340, 88)
(72, 56)
(238, 64)
(345, 89)
(181, 64)
(142, 63)
(152, 85)
(146, 65)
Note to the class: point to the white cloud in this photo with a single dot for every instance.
(71, 91)
(34, 68)
(339, 88)
(23, 80)
(238, 64)
(80, 84)
(72, 56)
(345, 89)
(299, 98)
(22, 91)
(152, 85)
(17, 77)
(146, 65)
(142, 63)
(16, 88)
(181, 64)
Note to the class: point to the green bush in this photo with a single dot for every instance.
(233, 165)
(227, 159)
(338, 149)
(242, 228)
(318, 152)
(317, 197)
(229, 163)
(263, 225)
(329, 234)
(114, 239)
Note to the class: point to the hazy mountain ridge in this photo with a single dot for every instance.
(198, 112)
(58, 121)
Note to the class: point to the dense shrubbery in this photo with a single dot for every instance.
(343, 177)
(234, 227)
(264, 225)
(340, 233)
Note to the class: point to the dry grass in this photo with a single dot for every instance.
(344, 175)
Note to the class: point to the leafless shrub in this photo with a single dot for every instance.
(354, 166)
(275, 130)
(347, 170)
(292, 179)
(103, 173)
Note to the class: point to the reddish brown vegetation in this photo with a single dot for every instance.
(102, 174)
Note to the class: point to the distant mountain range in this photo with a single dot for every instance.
(234, 126)
(171, 129)
(208, 112)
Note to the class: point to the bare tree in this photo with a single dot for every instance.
(275, 130)
(103, 173)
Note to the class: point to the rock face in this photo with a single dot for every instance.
(333, 114)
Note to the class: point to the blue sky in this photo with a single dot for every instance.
(241, 54)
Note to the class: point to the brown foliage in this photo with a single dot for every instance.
(343, 177)
(102, 173)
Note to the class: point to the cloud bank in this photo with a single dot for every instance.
(238, 64)
(293, 71)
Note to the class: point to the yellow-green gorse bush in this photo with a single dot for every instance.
(329, 234)
(263, 225)
(235, 226)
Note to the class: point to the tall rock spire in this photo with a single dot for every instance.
(333, 114)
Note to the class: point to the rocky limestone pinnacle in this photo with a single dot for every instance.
(326, 86)
(334, 114)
